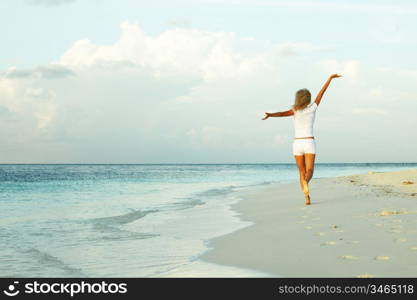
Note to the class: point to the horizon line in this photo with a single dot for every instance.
(205, 163)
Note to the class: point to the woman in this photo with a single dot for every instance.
(304, 146)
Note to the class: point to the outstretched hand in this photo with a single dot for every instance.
(267, 115)
(335, 76)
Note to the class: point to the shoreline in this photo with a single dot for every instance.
(357, 226)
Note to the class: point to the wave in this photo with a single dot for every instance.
(129, 235)
(217, 191)
(124, 219)
(111, 233)
(47, 260)
(200, 197)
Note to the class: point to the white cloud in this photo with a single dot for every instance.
(345, 6)
(370, 111)
(52, 71)
(295, 48)
(176, 52)
(376, 92)
(33, 104)
(160, 98)
(50, 2)
(206, 136)
(179, 22)
(349, 69)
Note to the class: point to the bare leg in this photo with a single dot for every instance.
(309, 163)
(300, 160)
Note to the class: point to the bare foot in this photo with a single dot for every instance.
(307, 198)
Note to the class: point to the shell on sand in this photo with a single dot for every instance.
(329, 243)
(390, 212)
(365, 276)
(348, 257)
(381, 257)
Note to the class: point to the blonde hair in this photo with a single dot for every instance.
(302, 99)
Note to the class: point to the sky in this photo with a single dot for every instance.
(121, 81)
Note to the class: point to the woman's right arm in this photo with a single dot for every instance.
(278, 114)
(324, 88)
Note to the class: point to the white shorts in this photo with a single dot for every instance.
(302, 146)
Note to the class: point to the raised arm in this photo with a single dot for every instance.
(286, 113)
(324, 88)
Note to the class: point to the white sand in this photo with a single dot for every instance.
(357, 226)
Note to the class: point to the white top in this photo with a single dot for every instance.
(304, 121)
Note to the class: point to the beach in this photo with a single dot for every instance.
(357, 226)
(158, 220)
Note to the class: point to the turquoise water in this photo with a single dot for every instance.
(127, 220)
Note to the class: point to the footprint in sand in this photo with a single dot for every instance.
(337, 227)
(329, 243)
(348, 257)
(382, 257)
(365, 276)
(390, 212)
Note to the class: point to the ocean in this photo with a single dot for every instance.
(145, 220)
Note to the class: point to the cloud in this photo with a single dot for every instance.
(345, 6)
(4, 111)
(207, 136)
(36, 105)
(193, 96)
(179, 23)
(349, 69)
(52, 71)
(29, 115)
(50, 2)
(296, 48)
(179, 52)
(370, 111)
